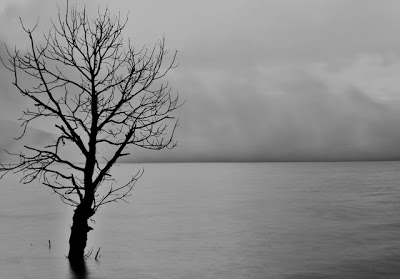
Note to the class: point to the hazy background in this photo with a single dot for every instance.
(264, 80)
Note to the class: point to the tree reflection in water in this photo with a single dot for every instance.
(78, 269)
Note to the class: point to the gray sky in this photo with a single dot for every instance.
(264, 80)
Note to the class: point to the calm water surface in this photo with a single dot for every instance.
(253, 220)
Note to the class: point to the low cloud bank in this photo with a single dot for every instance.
(350, 112)
(319, 113)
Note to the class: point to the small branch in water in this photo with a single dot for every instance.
(89, 253)
(97, 254)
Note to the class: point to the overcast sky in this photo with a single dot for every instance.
(264, 80)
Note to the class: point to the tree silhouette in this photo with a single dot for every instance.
(100, 93)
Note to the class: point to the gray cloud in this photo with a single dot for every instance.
(265, 80)
(286, 116)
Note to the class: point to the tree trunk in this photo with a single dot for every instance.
(79, 231)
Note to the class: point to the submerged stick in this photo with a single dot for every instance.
(97, 254)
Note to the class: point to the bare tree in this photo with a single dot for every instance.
(100, 93)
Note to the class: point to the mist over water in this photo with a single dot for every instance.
(239, 220)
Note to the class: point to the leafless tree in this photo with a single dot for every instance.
(100, 93)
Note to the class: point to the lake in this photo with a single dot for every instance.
(218, 220)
